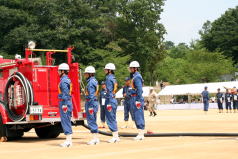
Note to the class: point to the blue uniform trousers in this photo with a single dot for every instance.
(66, 118)
(228, 105)
(91, 112)
(235, 105)
(103, 113)
(206, 105)
(128, 108)
(111, 109)
(138, 113)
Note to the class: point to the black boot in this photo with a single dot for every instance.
(154, 113)
(151, 114)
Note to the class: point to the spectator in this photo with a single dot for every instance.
(219, 96)
(205, 98)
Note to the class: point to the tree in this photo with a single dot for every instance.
(101, 31)
(100, 57)
(222, 34)
(178, 51)
(140, 34)
(168, 45)
(197, 66)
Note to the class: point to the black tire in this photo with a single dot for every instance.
(49, 131)
(3, 137)
(13, 135)
(26, 129)
(2, 128)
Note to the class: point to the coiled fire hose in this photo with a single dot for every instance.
(27, 91)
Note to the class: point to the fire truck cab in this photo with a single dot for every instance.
(29, 95)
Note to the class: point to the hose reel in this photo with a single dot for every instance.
(18, 96)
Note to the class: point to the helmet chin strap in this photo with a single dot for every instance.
(131, 75)
(134, 69)
(61, 74)
(108, 72)
(90, 75)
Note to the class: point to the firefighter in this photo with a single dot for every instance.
(235, 99)
(111, 102)
(102, 100)
(219, 96)
(205, 99)
(127, 101)
(228, 98)
(137, 99)
(91, 104)
(65, 87)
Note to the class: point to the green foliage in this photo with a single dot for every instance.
(101, 31)
(101, 57)
(141, 34)
(222, 34)
(178, 51)
(195, 66)
(168, 45)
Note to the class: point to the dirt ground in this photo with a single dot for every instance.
(163, 148)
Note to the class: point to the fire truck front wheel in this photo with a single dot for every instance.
(49, 131)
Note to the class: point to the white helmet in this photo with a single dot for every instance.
(63, 66)
(110, 66)
(134, 64)
(90, 69)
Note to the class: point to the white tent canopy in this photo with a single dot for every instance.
(196, 89)
(146, 92)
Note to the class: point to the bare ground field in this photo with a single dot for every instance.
(167, 121)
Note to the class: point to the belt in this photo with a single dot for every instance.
(133, 95)
(90, 99)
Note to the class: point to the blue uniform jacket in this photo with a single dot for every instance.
(65, 84)
(137, 84)
(128, 91)
(228, 96)
(235, 97)
(219, 95)
(91, 88)
(103, 93)
(205, 95)
(64, 92)
(110, 81)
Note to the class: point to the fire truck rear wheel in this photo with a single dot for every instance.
(49, 131)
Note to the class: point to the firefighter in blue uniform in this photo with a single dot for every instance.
(228, 98)
(219, 96)
(137, 99)
(235, 99)
(111, 102)
(102, 100)
(205, 98)
(65, 104)
(91, 104)
(127, 101)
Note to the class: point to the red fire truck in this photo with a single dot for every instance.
(28, 95)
